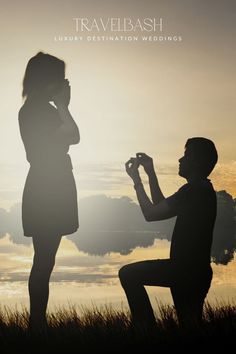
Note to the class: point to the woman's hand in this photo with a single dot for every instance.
(62, 97)
(131, 167)
(145, 161)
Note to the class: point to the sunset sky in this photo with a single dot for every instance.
(127, 96)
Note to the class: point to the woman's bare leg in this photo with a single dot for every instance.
(45, 249)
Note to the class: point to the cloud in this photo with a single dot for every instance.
(10, 222)
(65, 276)
(102, 177)
(224, 176)
(117, 225)
(106, 225)
(224, 241)
(107, 178)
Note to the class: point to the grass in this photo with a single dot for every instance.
(107, 330)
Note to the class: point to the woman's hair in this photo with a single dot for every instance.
(204, 153)
(42, 70)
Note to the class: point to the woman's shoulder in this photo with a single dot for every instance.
(36, 112)
(23, 113)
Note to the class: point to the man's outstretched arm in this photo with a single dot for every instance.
(147, 163)
(151, 212)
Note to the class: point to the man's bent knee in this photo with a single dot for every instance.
(124, 274)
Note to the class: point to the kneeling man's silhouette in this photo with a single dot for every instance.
(187, 272)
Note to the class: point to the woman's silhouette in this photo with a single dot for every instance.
(49, 205)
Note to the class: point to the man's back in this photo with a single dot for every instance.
(195, 206)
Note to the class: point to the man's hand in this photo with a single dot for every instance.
(131, 167)
(151, 211)
(145, 161)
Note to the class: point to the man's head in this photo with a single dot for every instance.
(199, 158)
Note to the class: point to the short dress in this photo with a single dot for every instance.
(49, 202)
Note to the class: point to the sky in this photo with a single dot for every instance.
(127, 96)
